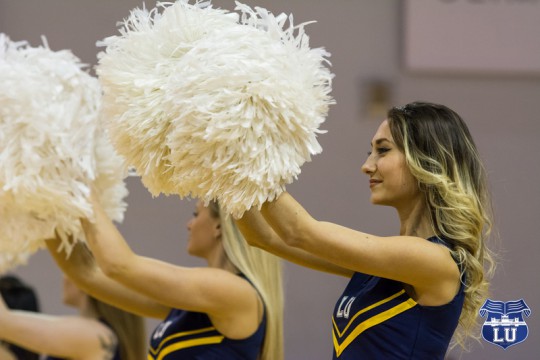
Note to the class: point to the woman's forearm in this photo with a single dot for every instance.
(288, 219)
(107, 244)
(256, 230)
(32, 331)
(259, 233)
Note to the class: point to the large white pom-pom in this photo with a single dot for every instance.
(133, 72)
(230, 112)
(51, 149)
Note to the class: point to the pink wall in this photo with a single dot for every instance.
(364, 37)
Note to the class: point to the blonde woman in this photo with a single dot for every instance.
(232, 309)
(407, 292)
(100, 331)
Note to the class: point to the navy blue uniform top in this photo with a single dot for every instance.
(189, 335)
(376, 319)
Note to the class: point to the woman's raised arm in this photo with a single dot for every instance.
(82, 269)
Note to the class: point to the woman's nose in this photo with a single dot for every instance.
(369, 166)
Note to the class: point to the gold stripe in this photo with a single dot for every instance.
(180, 334)
(364, 310)
(374, 320)
(190, 343)
(149, 357)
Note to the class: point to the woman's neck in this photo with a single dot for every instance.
(219, 259)
(415, 221)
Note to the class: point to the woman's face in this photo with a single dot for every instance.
(204, 231)
(390, 179)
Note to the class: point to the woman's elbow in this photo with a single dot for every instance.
(113, 269)
(293, 240)
(295, 237)
(253, 241)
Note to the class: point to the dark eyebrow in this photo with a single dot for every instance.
(379, 141)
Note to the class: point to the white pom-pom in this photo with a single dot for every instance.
(9, 261)
(132, 73)
(230, 112)
(51, 148)
(110, 174)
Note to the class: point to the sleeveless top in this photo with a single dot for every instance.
(189, 335)
(116, 350)
(375, 319)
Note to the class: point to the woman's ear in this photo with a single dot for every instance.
(218, 230)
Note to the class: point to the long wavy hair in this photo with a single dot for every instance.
(443, 157)
(128, 328)
(264, 271)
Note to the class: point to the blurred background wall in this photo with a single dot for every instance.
(365, 38)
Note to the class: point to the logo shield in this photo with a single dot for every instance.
(505, 325)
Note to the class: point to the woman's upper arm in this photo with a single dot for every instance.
(196, 289)
(408, 259)
(202, 289)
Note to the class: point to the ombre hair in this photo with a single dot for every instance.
(264, 271)
(443, 157)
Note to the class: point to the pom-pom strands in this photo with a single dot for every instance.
(214, 104)
(51, 150)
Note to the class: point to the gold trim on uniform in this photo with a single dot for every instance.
(161, 353)
(372, 321)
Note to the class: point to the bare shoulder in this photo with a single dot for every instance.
(445, 280)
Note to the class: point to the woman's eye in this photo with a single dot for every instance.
(379, 151)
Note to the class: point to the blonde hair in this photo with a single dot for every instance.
(264, 271)
(128, 328)
(443, 158)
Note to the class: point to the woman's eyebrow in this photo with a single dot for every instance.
(378, 141)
